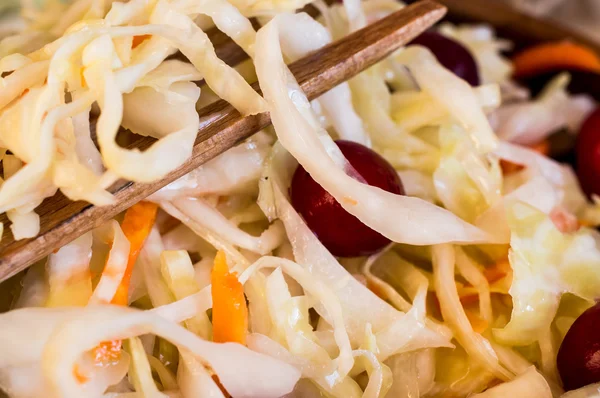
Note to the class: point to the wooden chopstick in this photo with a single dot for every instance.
(221, 128)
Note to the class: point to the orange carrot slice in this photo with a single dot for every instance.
(478, 324)
(469, 299)
(137, 40)
(136, 226)
(497, 271)
(555, 56)
(229, 311)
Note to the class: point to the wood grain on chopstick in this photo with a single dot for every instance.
(221, 127)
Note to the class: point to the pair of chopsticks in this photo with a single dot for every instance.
(222, 127)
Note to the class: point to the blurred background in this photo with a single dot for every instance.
(580, 15)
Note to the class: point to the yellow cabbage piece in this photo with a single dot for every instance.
(546, 264)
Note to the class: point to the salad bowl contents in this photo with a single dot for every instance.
(414, 232)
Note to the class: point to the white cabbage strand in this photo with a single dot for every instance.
(528, 123)
(454, 315)
(317, 289)
(345, 387)
(68, 272)
(456, 95)
(116, 263)
(59, 345)
(472, 274)
(360, 305)
(418, 222)
(105, 47)
(206, 233)
(236, 170)
(529, 384)
(337, 102)
(202, 214)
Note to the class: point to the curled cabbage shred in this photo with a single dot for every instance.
(492, 254)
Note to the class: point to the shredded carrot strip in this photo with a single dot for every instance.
(497, 271)
(229, 312)
(137, 40)
(542, 147)
(478, 324)
(555, 56)
(136, 226)
(469, 299)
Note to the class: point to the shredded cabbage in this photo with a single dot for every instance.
(487, 266)
(531, 122)
(546, 264)
(530, 383)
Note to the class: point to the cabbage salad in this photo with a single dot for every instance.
(286, 267)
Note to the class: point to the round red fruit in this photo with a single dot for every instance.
(587, 151)
(340, 232)
(451, 54)
(578, 358)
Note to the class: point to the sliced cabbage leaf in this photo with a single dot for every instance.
(359, 305)
(546, 264)
(529, 384)
(300, 35)
(69, 278)
(528, 123)
(236, 170)
(451, 92)
(62, 336)
(194, 380)
(454, 314)
(413, 373)
(198, 214)
(177, 105)
(178, 271)
(312, 149)
(140, 372)
(464, 182)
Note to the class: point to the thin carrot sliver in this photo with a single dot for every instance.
(469, 299)
(478, 324)
(137, 40)
(229, 311)
(497, 271)
(555, 56)
(136, 226)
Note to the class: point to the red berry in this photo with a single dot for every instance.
(578, 358)
(451, 54)
(588, 154)
(343, 234)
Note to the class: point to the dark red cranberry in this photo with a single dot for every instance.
(578, 358)
(587, 151)
(343, 234)
(451, 54)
